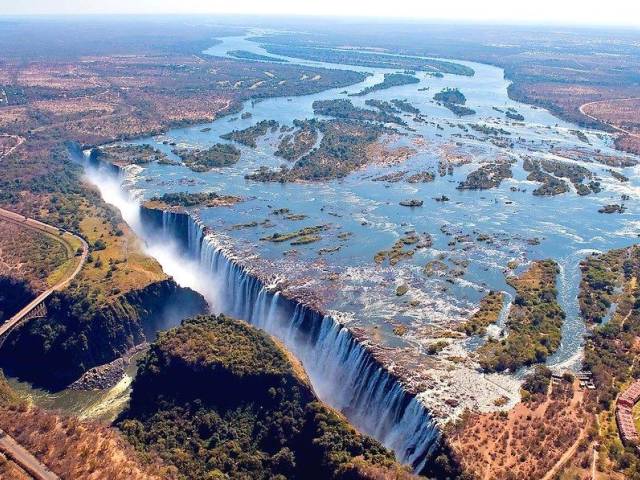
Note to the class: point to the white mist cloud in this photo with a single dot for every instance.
(186, 272)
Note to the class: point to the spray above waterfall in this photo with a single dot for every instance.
(186, 271)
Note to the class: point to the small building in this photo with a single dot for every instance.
(624, 416)
(631, 395)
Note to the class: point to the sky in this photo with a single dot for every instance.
(584, 12)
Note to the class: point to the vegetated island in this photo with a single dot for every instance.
(512, 114)
(487, 176)
(454, 100)
(246, 55)
(249, 136)
(178, 201)
(364, 59)
(123, 155)
(299, 237)
(342, 149)
(548, 171)
(487, 314)
(343, 108)
(293, 146)
(217, 398)
(404, 248)
(390, 80)
(534, 322)
(219, 155)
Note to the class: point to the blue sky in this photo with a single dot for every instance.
(610, 12)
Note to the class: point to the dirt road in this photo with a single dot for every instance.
(622, 130)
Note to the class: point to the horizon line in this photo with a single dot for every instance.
(377, 18)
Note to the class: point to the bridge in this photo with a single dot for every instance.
(36, 308)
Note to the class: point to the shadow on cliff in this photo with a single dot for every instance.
(77, 334)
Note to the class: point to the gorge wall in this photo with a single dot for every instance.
(343, 371)
(77, 335)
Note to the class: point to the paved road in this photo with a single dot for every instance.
(42, 227)
(22, 457)
(627, 132)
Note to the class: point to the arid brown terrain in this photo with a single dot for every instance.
(527, 441)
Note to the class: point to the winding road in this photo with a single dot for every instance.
(51, 231)
(622, 130)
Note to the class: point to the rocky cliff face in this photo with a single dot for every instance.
(80, 332)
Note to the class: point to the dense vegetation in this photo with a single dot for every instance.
(343, 149)
(219, 155)
(454, 100)
(487, 314)
(14, 294)
(609, 291)
(129, 154)
(293, 146)
(246, 55)
(187, 199)
(405, 106)
(219, 399)
(390, 80)
(250, 135)
(513, 115)
(600, 278)
(487, 176)
(450, 95)
(363, 59)
(534, 322)
(548, 171)
(538, 381)
(82, 331)
(344, 109)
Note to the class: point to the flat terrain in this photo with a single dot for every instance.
(532, 440)
(622, 115)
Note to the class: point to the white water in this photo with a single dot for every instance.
(343, 372)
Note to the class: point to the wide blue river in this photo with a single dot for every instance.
(363, 217)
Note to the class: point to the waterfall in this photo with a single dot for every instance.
(342, 370)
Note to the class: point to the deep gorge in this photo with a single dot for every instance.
(344, 372)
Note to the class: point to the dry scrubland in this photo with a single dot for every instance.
(71, 448)
(8, 469)
(74, 449)
(622, 114)
(29, 255)
(525, 442)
